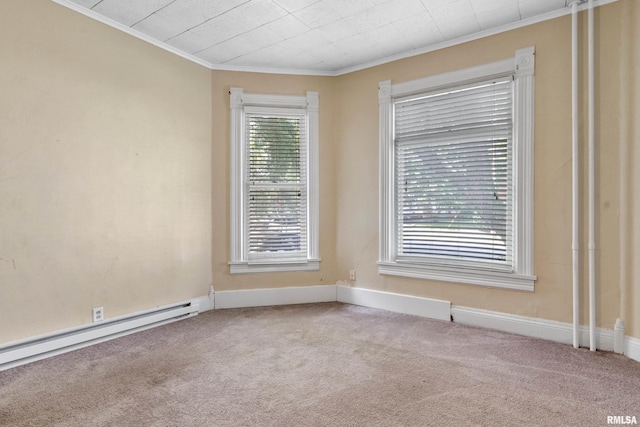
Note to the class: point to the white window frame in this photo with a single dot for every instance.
(240, 262)
(521, 276)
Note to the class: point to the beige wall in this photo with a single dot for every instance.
(629, 161)
(114, 171)
(357, 169)
(105, 194)
(283, 85)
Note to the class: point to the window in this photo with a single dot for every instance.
(274, 182)
(456, 175)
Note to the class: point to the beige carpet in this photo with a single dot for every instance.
(321, 365)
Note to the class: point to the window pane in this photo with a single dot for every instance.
(453, 174)
(277, 220)
(274, 148)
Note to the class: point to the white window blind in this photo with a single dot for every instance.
(454, 186)
(276, 186)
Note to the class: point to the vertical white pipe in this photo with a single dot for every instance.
(575, 175)
(592, 244)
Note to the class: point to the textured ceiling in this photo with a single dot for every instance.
(310, 36)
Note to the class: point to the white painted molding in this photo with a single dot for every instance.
(273, 70)
(468, 38)
(275, 296)
(236, 97)
(632, 348)
(529, 326)
(41, 347)
(418, 306)
(525, 61)
(455, 274)
(313, 176)
(384, 92)
(523, 150)
(268, 100)
(279, 267)
(399, 303)
(237, 189)
(488, 71)
(135, 33)
(386, 168)
(618, 337)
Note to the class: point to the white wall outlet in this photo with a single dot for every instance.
(352, 275)
(98, 314)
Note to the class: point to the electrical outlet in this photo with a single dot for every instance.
(98, 314)
(352, 275)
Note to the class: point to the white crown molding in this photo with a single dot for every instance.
(327, 73)
(272, 70)
(135, 33)
(469, 38)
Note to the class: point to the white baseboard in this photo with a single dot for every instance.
(275, 296)
(36, 348)
(419, 306)
(632, 348)
(407, 304)
(530, 326)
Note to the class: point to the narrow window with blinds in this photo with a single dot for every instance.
(277, 185)
(454, 167)
(456, 175)
(274, 191)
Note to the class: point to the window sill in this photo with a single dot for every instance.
(494, 279)
(273, 267)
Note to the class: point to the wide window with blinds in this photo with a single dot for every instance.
(453, 183)
(456, 175)
(274, 182)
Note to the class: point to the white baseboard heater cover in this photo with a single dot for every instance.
(32, 349)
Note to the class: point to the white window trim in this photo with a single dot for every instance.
(239, 262)
(521, 278)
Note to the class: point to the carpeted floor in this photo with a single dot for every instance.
(321, 365)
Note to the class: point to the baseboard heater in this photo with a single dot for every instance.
(30, 350)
